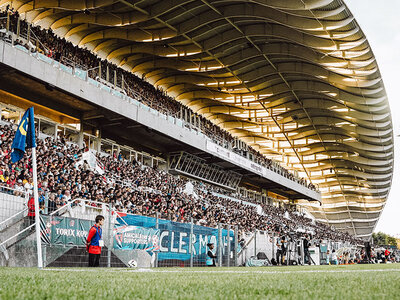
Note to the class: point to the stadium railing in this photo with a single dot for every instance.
(82, 72)
(141, 241)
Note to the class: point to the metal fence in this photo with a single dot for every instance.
(140, 241)
(130, 240)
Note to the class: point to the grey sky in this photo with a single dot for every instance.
(380, 21)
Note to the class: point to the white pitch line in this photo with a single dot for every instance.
(86, 269)
(143, 270)
(268, 272)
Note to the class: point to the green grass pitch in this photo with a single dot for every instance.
(308, 282)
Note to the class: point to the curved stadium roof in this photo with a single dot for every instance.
(295, 79)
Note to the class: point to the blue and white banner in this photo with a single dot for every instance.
(174, 238)
(135, 237)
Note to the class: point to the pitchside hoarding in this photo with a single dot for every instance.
(170, 240)
(65, 231)
(174, 239)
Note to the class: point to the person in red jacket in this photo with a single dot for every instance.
(94, 242)
(387, 253)
(31, 210)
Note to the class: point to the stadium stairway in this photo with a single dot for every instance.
(19, 249)
(10, 246)
(18, 243)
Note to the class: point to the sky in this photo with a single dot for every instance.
(380, 22)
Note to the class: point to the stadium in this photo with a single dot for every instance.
(174, 136)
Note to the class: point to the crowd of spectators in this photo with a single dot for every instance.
(134, 188)
(363, 255)
(45, 41)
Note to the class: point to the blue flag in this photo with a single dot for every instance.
(24, 137)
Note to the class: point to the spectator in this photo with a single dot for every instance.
(137, 189)
(334, 259)
(136, 88)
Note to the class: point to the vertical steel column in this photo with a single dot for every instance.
(191, 242)
(156, 253)
(255, 242)
(56, 132)
(8, 21)
(46, 203)
(98, 148)
(273, 247)
(37, 216)
(109, 237)
(219, 245)
(28, 38)
(229, 246)
(18, 26)
(236, 245)
(81, 141)
(46, 212)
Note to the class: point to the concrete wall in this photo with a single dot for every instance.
(10, 205)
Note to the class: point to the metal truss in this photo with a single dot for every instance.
(196, 167)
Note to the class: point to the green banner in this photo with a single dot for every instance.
(66, 231)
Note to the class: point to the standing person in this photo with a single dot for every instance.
(328, 257)
(94, 242)
(306, 246)
(280, 250)
(368, 252)
(31, 210)
(210, 259)
(284, 250)
(334, 259)
(387, 254)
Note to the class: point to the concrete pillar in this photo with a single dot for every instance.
(118, 150)
(29, 36)
(99, 141)
(38, 127)
(8, 21)
(18, 26)
(55, 131)
(80, 140)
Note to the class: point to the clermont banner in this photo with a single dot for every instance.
(135, 237)
(65, 231)
(174, 239)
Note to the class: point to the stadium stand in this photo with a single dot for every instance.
(128, 185)
(134, 188)
(46, 42)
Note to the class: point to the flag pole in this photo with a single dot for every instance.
(37, 217)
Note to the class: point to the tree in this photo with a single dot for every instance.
(383, 239)
(392, 241)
